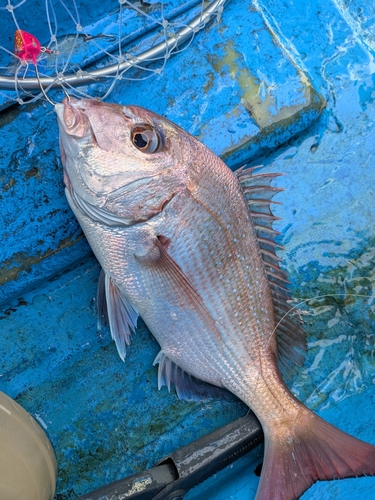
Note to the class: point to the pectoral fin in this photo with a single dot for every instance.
(167, 276)
(114, 309)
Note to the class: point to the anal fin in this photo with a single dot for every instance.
(187, 387)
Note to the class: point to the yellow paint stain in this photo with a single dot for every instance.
(259, 97)
(26, 261)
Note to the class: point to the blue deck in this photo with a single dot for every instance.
(290, 86)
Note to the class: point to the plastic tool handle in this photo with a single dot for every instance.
(182, 470)
(210, 454)
(142, 486)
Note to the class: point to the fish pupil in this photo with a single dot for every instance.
(140, 140)
(145, 138)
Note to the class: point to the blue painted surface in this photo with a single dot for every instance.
(107, 419)
(237, 97)
(56, 20)
(104, 418)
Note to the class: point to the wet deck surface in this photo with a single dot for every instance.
(290, 86)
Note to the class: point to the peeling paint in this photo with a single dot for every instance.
(138, 486)
(9, 272)
(255, 92)
(259, 96)
(277, 130)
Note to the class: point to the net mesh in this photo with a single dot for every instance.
(79, 45)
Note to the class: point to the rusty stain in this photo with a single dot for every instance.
(9, 184)
(32, 172)
(317, 104)
(209, 83)
(26, 261)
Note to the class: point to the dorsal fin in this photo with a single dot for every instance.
(259, 193)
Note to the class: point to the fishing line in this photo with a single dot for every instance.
(134, 38)
(305, 301)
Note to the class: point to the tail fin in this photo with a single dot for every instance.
(319, 451)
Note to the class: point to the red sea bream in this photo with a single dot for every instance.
(171, 227)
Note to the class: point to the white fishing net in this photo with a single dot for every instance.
(74, 44)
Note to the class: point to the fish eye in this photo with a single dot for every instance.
(145, 138)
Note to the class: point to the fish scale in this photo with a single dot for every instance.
(171, 227)
(244, 274)
(219, 297)
(205, 279)
(131, 278)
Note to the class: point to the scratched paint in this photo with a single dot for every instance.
(286, 85)
(219, 114)
(105, 419)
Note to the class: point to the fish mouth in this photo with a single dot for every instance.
(73, 122)
(60, 109)
(60, 106)
(71, 115)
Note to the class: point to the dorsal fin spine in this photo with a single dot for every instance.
(262, 201)
(270, 242)
(267, 229)
(272, 256)
(271, 217)
(278, 276)
(259, 195)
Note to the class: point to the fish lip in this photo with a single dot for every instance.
(65, 104)
(72, 114)
(59, 110)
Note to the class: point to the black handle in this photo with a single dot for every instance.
(177, 473)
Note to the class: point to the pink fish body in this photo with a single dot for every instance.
(171, 227)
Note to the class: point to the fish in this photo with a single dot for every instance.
(189, 246)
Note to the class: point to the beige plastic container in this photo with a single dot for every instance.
(28, 467)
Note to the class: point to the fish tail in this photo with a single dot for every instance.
(315, 452)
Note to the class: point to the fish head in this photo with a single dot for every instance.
(116, 157)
